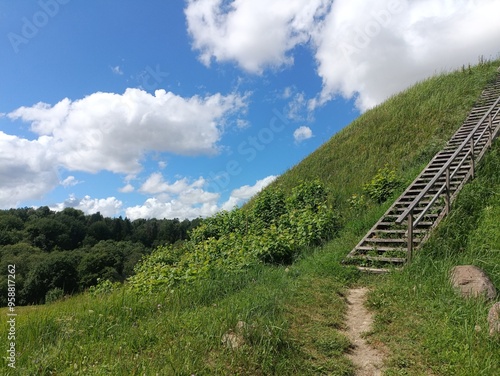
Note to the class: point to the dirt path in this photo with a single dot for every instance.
(367, 359)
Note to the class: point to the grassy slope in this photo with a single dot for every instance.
(294, 314)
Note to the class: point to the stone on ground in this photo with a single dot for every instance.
(472, 282)
(494, 320)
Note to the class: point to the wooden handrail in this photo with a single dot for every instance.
(446, 166)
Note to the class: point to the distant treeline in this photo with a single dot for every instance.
(66, 252)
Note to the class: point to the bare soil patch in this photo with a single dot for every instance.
(367, 359)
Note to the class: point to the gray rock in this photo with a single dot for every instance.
(234, 339)
(494, 319)
(472, 282)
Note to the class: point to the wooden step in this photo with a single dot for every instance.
(393, 260)
(366, 269)
(398, 231)
(379, 249)
(389, 240)
(395, 216)
(421, 224)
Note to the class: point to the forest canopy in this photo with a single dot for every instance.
(67, 251)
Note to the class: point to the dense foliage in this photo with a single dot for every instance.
(276, 230)
(378, 190)
(383, 185)
(59, 253)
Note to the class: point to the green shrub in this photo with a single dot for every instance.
(269, 206)
(383, 185)
(104, 286)
(308, 195)
(275, 231)
(275, 245)
(221, 223)
(54, 295)
(357, 201)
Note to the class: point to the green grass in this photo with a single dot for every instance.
(180, 332)
(294, 314)
(176, 333)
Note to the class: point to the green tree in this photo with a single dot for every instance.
(56, 270)
(103, 261)
(24, 256)
(99, 231)
(11, 227)
(45, 233)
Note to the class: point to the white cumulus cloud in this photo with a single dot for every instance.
(127, 188)
(254, 33)
(380, 47)
(107, 131)
(70, 181)
(244, 193)
(188, 199)
(302, 133)
(108, 207)
(368, 50)
(27, 170)
(181, 199)
(156, 184)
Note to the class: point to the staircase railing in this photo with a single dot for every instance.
(448, 172)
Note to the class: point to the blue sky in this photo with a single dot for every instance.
(183, 108)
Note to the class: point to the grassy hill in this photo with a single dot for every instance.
(288, 319)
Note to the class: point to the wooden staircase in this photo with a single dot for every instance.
(408, 222)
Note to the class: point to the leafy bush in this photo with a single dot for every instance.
(221, 223)
(269, 207)
(54, 295)
(309, 195)
(104, 286)
(275, 245)
(231, 252)
(275, 231)
(357, 201)
(383, 185)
